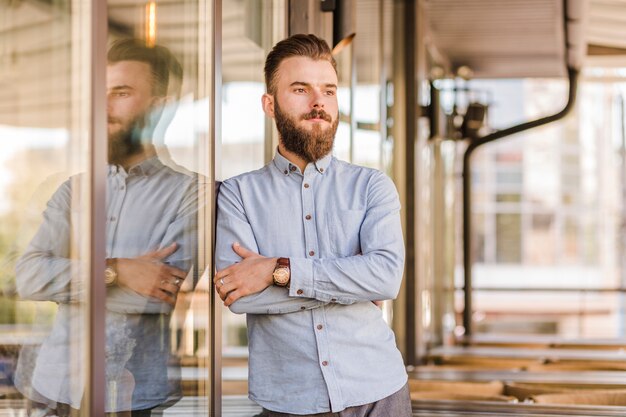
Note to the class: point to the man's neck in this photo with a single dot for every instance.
(147, 152)
(292, 157)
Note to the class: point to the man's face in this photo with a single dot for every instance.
(129, 102)
(305, 106)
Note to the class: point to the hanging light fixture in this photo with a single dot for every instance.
(150, 29)
(344, 25)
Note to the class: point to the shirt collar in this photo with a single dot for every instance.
(146, 167)
(286, 167)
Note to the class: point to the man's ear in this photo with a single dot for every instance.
(267, 100)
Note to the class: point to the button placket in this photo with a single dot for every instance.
(323, 350)
(308, 207)
(117, 192)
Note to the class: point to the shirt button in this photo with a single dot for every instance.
(312, 253)
(306, 185)
(292, 168)
(321, 169)
(320, 327)
(325, 363)
(333, 300)
(308, 217)
(303, 308)
(113, 219)
(286, 172)
(299, 292)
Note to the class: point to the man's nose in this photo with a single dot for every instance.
(317, 99)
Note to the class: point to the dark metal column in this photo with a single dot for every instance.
(96, 298)
(215, 307)
(410, 71)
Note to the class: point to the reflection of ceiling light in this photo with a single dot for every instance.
(150, 34)
(343, 43)
(464, 72)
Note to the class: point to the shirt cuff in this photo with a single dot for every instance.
(302, 278)
(303, 283)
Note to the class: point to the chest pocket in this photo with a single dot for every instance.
(344, 227)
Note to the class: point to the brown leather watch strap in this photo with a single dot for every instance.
(283, 262)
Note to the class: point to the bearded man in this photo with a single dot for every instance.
(151, 240)
(306, 246)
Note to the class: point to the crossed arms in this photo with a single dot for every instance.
(374, 274)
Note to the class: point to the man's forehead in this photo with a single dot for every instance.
(135, 71)
(306, 70)
(129, 68)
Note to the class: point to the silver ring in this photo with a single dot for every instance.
(221, 281)
(178, 281)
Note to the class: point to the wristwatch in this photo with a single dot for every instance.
(282, 273)
(110, 274)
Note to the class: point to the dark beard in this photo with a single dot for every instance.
(310, 145)
(125, 143)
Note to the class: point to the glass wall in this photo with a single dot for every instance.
(45, 214)
(170, 359)
(250, 29)
(147, 193)
(547, 214)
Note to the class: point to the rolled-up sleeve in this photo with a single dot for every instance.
(233, 226)
(376, 273)
(48, 270)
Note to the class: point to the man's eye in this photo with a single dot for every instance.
(300, 90)
(330, 93)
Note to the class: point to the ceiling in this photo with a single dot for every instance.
(495, 38)
(523, 38)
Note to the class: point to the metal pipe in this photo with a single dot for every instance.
(467, 190)
(435, 112)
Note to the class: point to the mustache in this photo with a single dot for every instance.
(317, 114)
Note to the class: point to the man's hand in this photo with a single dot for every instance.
(252, 275)
(148, 275)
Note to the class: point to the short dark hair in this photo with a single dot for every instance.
(166, 70)
(309, 46)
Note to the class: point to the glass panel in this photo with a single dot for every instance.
(45, 210)
(508, 237)
(540, 241)
(553, 313)
(250, 30)
(555, 201)
(159, 215)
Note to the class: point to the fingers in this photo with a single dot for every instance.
(173, 271)
(164, 252)
(232, 297)
(167, 290)
(231, 270)
(170, 286)
(225, 288)
(167, 297)
(243, 252)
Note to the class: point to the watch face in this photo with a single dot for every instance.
(109, 276)
(281, 276)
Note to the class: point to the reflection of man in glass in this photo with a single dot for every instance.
(150, 247)
(305, 246)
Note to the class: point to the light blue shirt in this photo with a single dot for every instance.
(148, 207)
(321, 345)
